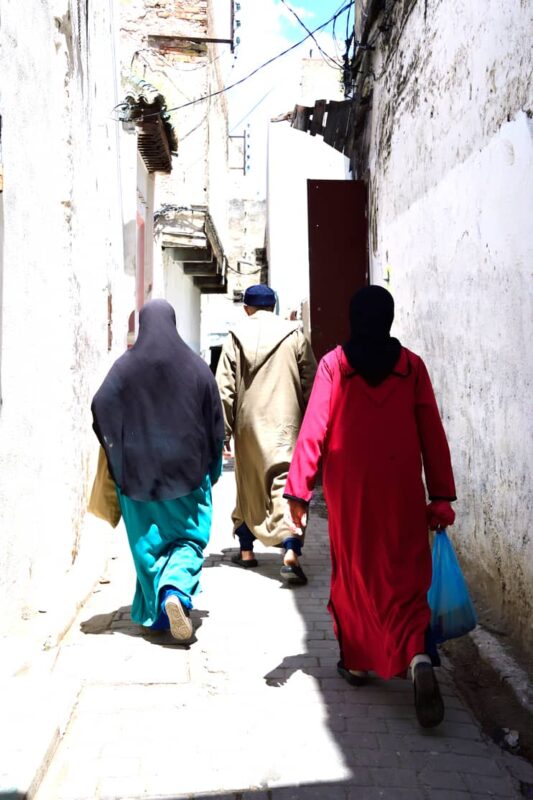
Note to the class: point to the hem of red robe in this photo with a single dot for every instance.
(397, 667)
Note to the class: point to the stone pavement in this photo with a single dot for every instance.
(253, 709)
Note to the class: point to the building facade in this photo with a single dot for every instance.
(176, 49)
(293, 160)
(63, 300)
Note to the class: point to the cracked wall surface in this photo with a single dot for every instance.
(62, 261)
(450, 162)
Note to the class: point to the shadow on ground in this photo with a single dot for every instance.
(373, 727)
(119, 622)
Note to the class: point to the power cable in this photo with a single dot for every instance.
(243, 119)
(254, 72)
(328, 59)
(348, 20)
(176, 66)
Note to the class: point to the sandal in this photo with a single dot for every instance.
(429, 705)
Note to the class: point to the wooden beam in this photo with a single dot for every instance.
(318, 117)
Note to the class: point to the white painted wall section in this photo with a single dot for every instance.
(181, 292)
(293, 158)
(62, 258)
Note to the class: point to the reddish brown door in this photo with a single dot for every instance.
(338, 256)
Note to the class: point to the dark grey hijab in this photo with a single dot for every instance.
(158, 413)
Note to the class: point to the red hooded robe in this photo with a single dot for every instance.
(372, 443)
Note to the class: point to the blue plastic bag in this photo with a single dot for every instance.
(452, 612)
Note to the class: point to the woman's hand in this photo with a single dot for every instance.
(298, 514)
(440, 514)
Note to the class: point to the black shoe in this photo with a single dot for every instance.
(353, 680)
(241, 562)
(293, 575)
(429, 705)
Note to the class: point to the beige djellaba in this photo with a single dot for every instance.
(264, 375)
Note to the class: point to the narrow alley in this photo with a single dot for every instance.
(253, 708)
(214, 214)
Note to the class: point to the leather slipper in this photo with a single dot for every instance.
(293, 575)
(241, 562)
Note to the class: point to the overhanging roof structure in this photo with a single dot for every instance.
(189, 237)
(144, 110)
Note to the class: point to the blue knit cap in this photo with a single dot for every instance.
(259, 296)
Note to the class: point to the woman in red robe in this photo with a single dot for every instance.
(372, 422)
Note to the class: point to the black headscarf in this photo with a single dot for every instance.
(158, 413)
(370, 350)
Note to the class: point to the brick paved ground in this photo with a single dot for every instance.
(253, 709)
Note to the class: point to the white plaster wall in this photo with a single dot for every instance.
(62, 254)
(451, 177)
(181, 292)
(293, 158)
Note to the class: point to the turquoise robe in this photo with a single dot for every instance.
(167, 539)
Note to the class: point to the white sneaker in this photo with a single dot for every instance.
(180, 624)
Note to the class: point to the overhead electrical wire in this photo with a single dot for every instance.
(327, 58)
(348, 20)
(335, 40)
(254, 72)
(342, 47)
(176, 66)
(243, 119)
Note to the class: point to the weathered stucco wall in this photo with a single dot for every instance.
(183, 71)
(62, 260)
(450, 168)
(185, 297)
(293, 158)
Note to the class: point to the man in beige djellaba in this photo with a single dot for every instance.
(264, 375)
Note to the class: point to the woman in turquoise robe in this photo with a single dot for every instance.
(159, 419)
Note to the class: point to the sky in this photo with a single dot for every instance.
(266, 28)
(314, 12)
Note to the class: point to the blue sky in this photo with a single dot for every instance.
(316, 11)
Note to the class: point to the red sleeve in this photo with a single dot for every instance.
(308, 451)
(434, 445)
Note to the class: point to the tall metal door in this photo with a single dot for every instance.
(338, 256)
